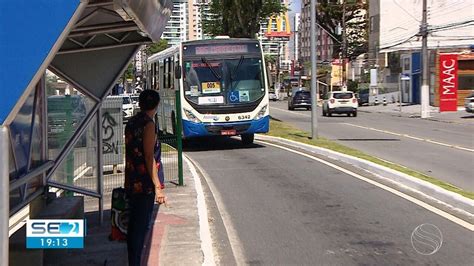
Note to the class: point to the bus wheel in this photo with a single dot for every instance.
(247, 138)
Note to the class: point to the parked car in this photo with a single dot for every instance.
(363, 97)
(128, 108)
(135, 100)
(469, 103)
(299, 98)
(272, 96)
(340, 102)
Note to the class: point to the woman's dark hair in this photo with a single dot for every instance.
(148, 100)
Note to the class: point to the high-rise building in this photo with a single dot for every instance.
(295, 36)
(275, 46)
(198, 9)
(324, 43)
(176, 29)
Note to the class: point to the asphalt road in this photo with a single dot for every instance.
(364, 132)
(290, 210)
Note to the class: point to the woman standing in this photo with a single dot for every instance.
(141, 177)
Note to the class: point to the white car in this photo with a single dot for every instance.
(128, 108)
(272, 96)
(469, 103)
(135, 100)
(340, 102)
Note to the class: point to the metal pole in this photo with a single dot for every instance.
(100, 165)
(4, 194)
(278, 65)
(344, 46)
(314, 77)
(179, 135)
(425, 89)
(68, 132)
(400, 93)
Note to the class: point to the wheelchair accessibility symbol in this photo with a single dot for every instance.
(234, 97)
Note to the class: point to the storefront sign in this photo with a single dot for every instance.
(448, 82)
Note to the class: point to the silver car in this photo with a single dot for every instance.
(272, 96)
(469, 103)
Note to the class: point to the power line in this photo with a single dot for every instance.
(434, 29)
(396, 44)
(396, 3)
(450, 26)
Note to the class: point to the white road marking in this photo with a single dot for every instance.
(204, 229)
(291, 112)
(235, 243)
(390, 133)
(412, 137)
(420, 203)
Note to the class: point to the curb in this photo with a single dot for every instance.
(455, 200)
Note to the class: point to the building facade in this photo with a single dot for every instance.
(393, 53)
(198, 9)
(324, 41)
(277, 47)
(177, 28)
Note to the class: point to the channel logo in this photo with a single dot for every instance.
(58, 233)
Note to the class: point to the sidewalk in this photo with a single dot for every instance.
(173, 240)
(413, 111)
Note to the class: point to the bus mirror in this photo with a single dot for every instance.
(177, 72)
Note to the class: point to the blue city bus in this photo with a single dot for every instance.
(222, 84)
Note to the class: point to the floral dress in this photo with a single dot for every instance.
(137, 178)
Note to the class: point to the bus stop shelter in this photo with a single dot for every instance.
(88, 44)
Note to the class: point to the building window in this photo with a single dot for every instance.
(466, 82)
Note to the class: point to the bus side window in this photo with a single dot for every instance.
(170, 63)
(165, 74)
(157, 75)
(161, 74)
(172, 72)
(153, 70)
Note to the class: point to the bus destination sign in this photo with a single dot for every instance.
(221, 49)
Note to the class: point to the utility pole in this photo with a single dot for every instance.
(344, 44)
(425, 89)
(278, 66)
(314, 76)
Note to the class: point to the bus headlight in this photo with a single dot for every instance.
(191, 116)
(261, 113)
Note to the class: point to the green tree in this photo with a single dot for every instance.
(239, 18)
(129, 73)
(330, 18)
(156, 47)
(270, 59)
(51, 80)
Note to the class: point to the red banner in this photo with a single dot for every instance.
(448, 82)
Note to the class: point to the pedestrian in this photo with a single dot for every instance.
(142, 184)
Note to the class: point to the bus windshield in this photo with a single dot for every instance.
(223, 81)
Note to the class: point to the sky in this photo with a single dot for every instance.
(295, 6)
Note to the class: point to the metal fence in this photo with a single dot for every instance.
(169, 158)
(79, 173)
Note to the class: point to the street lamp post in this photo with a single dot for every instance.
(314, 90)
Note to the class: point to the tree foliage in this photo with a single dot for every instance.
(270, 59)
(239, 18)
(330, 17)
(156, 47)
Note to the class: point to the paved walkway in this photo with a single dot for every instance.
(461, 116)
(173, 240)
